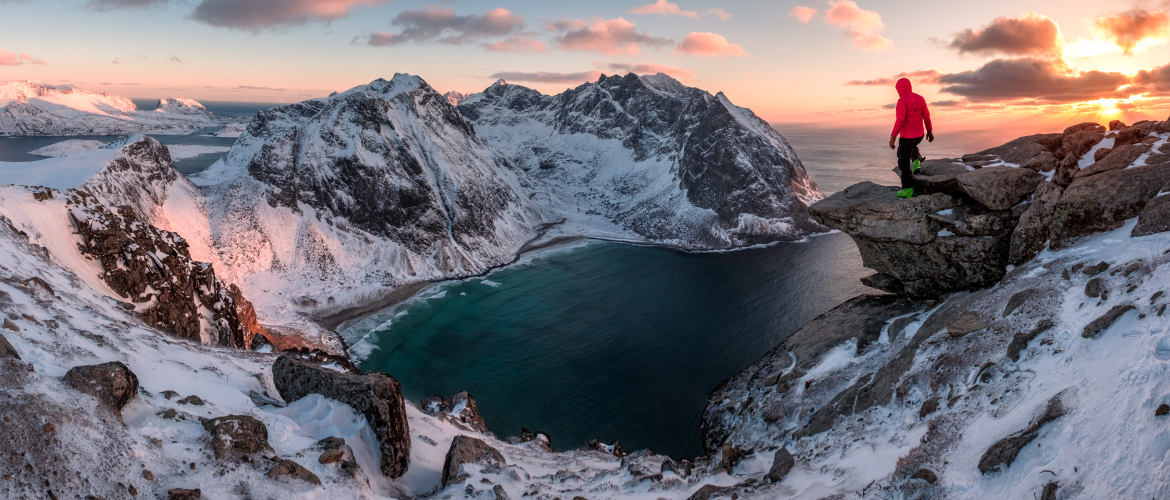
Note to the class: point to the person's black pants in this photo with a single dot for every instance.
(907, 152)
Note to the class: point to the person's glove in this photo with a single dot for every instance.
(892, 142)
(930, 137)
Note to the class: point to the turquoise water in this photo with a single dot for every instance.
(608, 341)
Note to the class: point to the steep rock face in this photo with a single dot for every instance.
(673, 164)
(34, 108)
(385, 183)
(153, 269)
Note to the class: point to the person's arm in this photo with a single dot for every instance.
(926, 119)
(901, 114)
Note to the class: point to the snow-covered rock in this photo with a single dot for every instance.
(455, 98)
(67, 147)
(231, 130)
(646, 158)
(34, 108)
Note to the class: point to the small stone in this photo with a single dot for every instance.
(706, 491)
(291, 469)
(10, 325)
(191, 400)
(1049, 492)
(147, 475)
(133, 491)
(169, 414)
(237, 436)
(113, 384)
(330, 456)
(182, 494)
(1130, 269)
(169, 394)
(466, 449)
(500, 493)
(1105, 321)
(48, 427)
(1156, 296)
(925, 475)
(6, 349)
(1093, 288)
(1162, 410)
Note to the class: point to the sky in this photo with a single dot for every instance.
(832, 61)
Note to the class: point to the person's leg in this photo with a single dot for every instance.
(905, 150)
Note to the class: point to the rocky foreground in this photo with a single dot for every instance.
(1019, 352)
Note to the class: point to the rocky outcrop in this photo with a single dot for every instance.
(289, 469)
(112, 384)
(468, 450)
(1103, 202)
(237, 437)
(1035, 223)
(461, 410)
(924, 246)
(153, 269)
(375, 395)
(782, 464)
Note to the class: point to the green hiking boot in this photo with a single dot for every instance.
(906, 193)
(914, 166)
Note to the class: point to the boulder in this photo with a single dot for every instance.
(1155, 217)
(1049, 491)
(9, 325)
(707, 491)
(1105, 321)
(874, 212)
(1016, 300)
(1103, 202)
(939, 176)
(6, 349)
(1043, 162)
(1079, 139)
(1118, 158)
(465, 450)
(113, 384)
(781, 465)
(1162, 410)
(1101, 154)
(1032, 229)
(1004, 452)
(999, 188)
(1020, 340)
(184, 494)
(1116, 125)
(333, 450)
(1024, 149)
(1135, 134)
(237, 437)
(375, 395)
(292, 470)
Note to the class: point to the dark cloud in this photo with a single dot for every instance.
(436, 24)
(1042, 80)
(944, 104)
(546, 77)
(1028, 35)
(892, 105)
(253, 15)
(1129, 29)
(1154, 81)
(920, 76)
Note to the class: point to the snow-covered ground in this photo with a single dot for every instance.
(182, 151)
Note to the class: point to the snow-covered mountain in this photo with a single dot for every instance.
(647, 158)
(34, 108)
(381, 185)
(455, 98)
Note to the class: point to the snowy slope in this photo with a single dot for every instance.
(646, 158)
(34, 108)
(67, 147)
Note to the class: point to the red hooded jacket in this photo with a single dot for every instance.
(912, 113)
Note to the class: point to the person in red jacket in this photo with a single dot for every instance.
(908, 129)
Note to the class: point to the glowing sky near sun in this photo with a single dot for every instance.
(826, 60)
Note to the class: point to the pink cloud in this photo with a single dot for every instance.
(608, 36)
(803, 14)
(664, 8)
(720, 13)
(517, 45)
(863, 26)
(709, 45)
(253, 15)
(11, 59)
(651, 69)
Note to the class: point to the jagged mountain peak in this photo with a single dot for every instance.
(180, 105)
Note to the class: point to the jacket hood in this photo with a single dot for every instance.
(903, 86)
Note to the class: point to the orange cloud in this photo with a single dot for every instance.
(11, 59)
(803, 14)
(1027, 35)
(710, 45)
(608, 36)
(1134, 29)
(863, 26)
(664, 8)
(518, 45)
